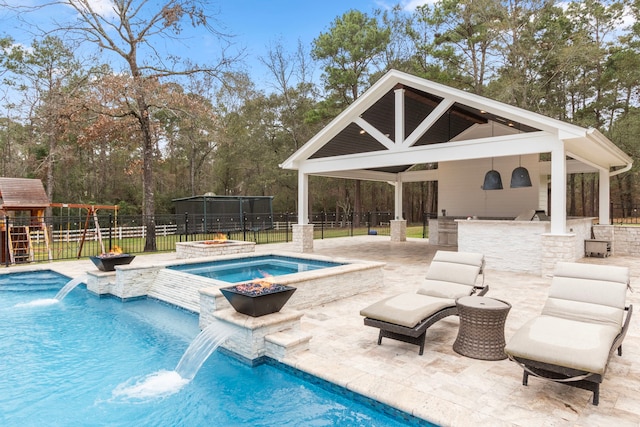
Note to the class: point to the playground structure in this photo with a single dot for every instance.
(92, 211)
(23, 203)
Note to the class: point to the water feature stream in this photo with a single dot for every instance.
(71, 285)
(163, 383)
(68, 287)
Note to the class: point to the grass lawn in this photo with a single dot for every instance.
(133, 245)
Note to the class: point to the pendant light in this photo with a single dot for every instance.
(520, 176)
(492, 179)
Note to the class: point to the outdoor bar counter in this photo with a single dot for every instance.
(510, 245)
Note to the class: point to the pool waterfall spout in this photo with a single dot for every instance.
(164, 383)
(71, 285)
(63, 292)
(205, 343)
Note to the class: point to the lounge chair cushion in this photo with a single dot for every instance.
(584, 312)
(564, 342)
(590, 283)
(592, 272)
(441, 289)
(588, 293)
(406, 309)
(469, 258)
(452, 274)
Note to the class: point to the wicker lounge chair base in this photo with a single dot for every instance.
(406, 317)
(582, 324)
(415, 335)
(572, 377)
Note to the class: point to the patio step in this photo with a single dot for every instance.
(285, 343)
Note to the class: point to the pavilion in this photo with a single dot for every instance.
(404, 122)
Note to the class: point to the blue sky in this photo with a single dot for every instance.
(256, 24)
(260, 23)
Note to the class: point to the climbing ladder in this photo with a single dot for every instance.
(20, 244)
(20, 248)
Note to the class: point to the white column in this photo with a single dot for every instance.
(399, 116)
(558, 191)
(397, 214)
(303, 198)
(603, 195)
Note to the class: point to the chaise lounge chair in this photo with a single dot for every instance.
(407, 316)
(582, 323)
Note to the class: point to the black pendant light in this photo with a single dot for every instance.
(520, 177)
(492, 180)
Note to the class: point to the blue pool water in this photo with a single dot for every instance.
(64, 364)
(245, 269)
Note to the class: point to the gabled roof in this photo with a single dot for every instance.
(22, 193)
(404, 120)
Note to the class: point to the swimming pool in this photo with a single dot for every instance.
(249, 268)
(63, 364)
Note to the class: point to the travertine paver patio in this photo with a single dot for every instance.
(442, 386)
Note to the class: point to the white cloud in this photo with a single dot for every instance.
(406, 5)
(103, 8)
(411, 5)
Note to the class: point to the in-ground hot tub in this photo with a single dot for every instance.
(341, 278)
(334, 280)
(243, 269)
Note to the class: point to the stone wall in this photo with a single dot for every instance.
(625, 239)
(318, 287)
(506, 245)
(558, 248)
(256, 337)
(525, 246)
(133, 282)
(179, 288)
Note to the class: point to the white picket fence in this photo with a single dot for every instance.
(120, 232)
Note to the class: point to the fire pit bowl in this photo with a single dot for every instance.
(108, 262)
(249, 300)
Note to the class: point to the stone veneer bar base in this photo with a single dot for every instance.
(523, 246)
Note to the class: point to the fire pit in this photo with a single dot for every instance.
(218, 239)
(108, 261)
(257, 299)
(219, 245)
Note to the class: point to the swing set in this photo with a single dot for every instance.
(92, 211)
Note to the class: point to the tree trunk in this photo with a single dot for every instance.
(148, 199)
(50, 174)
(583, 195)
(572, 195)
(192, 174)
